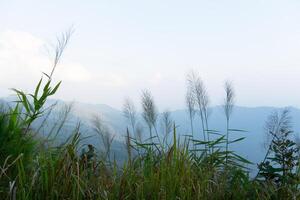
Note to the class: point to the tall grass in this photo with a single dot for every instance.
(172, 169)
(228, 108)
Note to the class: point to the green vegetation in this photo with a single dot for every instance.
(160, 167)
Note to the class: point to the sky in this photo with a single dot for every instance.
(120, 48)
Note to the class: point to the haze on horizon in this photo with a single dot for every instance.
(121, 47)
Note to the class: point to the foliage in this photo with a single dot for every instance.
(185, 167)
(279, 167)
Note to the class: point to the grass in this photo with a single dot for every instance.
(181, 168)
(176, 173)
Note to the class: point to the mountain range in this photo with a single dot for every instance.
(249, 119)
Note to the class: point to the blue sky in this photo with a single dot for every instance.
(122, 47)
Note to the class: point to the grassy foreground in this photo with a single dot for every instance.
(156, 168)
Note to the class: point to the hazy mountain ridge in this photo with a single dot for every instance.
(249, 119)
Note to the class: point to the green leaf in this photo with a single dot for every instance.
(236, 130)
(239, 139)
(218, 141)
(13, 118)
(24, 100)
(47, 75)
(37, 89)
(55, 89)
(46, 87)
(240, 158)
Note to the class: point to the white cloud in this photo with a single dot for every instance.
(23, 59)
(156, 79)
(73, 72)
(20, 56)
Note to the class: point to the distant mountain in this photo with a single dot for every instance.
(249, 119)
